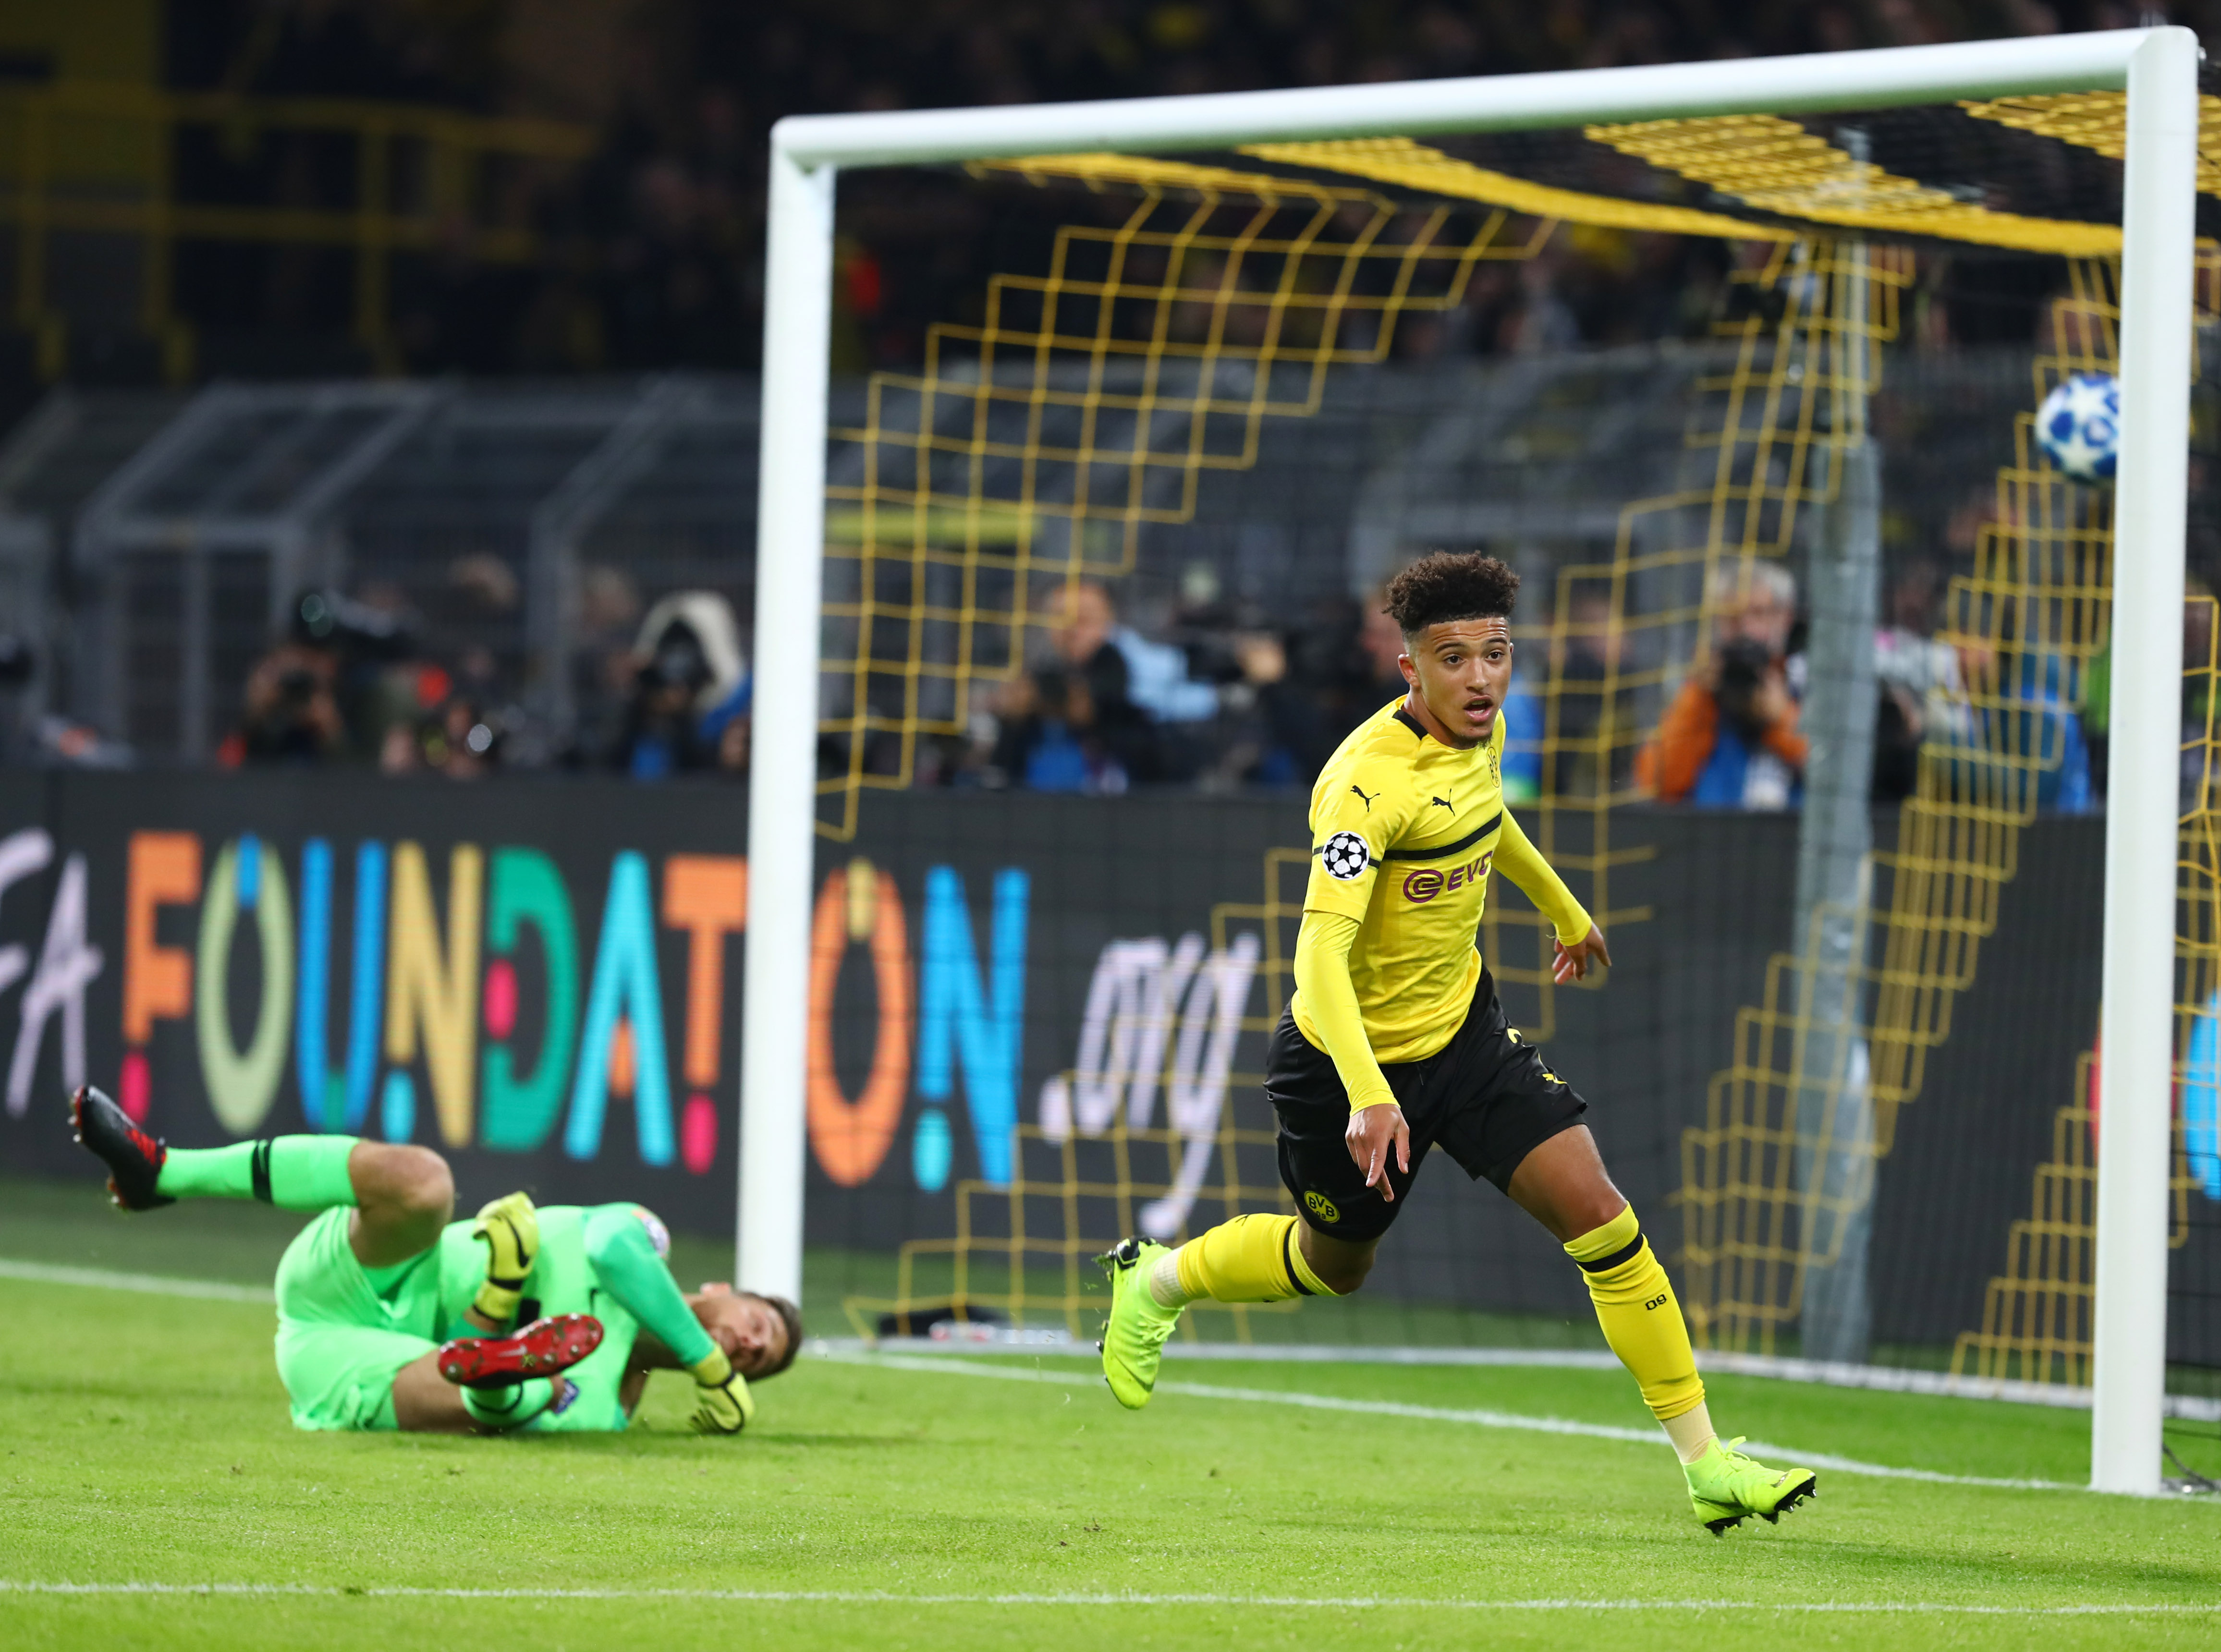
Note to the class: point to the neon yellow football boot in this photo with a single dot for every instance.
(1725, 1487)
(1134, 1341)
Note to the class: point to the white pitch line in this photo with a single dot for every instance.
(1316, 1603)
(100, 1279)
(162, 1285)
(1883, 1378)
(1486, 1419)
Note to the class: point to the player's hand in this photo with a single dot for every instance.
(1770, 705)
(1571, 963)
(722, 1404)
(511, 1228)
(1374, 1133)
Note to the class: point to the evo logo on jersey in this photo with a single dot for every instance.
(1422, 885)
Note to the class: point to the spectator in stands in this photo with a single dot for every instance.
(290, 715)
(1524, 731)
(1132, 685)
(315, 698)
(1051, 737)
(1730, 739)
(1277, 709)
(690, 681)
(1381, 643)
(1070, 724)
(1920, 684)
(648, 255)
(1593, 656)
(1157, 675)
(1329, 669)
(459, 740)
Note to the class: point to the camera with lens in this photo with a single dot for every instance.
(297, 686)
(1744, 663)
(678, 661)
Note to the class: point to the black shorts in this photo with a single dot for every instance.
(1486, 1098)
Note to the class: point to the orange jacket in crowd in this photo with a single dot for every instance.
(1671, 763)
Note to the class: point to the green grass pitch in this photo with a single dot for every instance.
(146, 1443)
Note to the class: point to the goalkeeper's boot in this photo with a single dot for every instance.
(1725, 1487)
(511, 1228)
(133, 1157)
(1134, 1341)
(540, 1349)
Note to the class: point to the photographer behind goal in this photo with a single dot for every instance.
(1730, 739)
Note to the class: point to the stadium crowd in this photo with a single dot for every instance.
(652, 257)
(1208, 699)
(651, 251)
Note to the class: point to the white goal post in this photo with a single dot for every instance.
(2158, 67)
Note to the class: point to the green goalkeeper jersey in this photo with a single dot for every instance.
(344, 1330)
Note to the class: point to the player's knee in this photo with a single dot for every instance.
(417, 1183)
(1343, 1277)
(1592, 1210)
(1338, 1264)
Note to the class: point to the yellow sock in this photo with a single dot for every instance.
(1250, 1259)
(1642, 1322)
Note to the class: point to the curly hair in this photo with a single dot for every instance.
(1450, 585)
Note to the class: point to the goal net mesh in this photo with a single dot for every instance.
(1248, 386)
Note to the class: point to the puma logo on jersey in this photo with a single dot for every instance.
(1368, 801)
(1441, 803)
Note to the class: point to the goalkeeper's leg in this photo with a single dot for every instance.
(401, 1196)
(1563, 1185)
(478, 1385)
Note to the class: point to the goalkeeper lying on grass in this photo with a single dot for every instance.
(554, 1317)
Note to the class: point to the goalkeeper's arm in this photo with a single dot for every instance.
(630, 1270)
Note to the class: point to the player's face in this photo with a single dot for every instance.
(1462, 670)
(1763, 617)
(747, 1328)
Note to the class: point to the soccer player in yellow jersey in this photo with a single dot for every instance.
(1394, 1042)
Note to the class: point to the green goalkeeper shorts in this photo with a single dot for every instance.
(343, 1332)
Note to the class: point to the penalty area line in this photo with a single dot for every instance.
(1300, 1602)
(1486, 1419)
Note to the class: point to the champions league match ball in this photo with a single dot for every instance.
(2079, 425)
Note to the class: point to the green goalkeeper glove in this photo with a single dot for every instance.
(722, 1404)
(511, 1228)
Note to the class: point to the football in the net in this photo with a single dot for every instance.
(2080, 426)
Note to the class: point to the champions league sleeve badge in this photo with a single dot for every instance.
(658, 1234)
(1345, 856)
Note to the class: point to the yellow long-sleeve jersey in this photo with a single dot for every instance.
(1405, 832)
